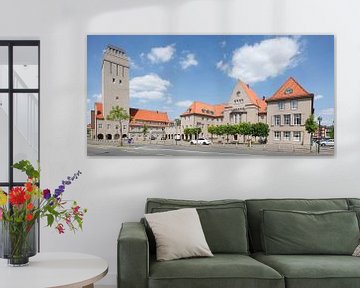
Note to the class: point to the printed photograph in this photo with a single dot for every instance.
(210, 95)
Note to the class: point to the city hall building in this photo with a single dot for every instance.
(285, 112)
(115, 92)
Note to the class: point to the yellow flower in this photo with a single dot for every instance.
(3, 198)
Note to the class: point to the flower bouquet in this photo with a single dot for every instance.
(21, 208)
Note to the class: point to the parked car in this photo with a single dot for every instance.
(327, 142)
(152, 137)
(200, 141)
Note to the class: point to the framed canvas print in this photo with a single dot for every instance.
(210, 95)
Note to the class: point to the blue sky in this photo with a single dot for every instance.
(168, 72)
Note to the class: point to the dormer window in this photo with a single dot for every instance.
(288, 91)
(238, 93)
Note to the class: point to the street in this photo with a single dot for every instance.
(186, 150)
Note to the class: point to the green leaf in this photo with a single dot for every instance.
(50, 219)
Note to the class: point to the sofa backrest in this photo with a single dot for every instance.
(223, 221)
(256, 205)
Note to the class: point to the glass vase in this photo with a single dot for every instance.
(18, 242)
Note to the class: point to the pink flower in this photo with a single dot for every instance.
(1, 212)
(60, 228)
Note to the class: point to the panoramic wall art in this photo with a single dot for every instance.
(210, 95)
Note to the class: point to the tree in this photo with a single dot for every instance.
(260, 130)
(118, 114)
(177, 122)
(212, 130)
(229, 129)
(145, 129)
(311, 126)
(331, 132)
(245, 129)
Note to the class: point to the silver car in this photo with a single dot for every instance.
(327, 142)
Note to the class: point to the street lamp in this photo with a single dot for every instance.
(320, 136)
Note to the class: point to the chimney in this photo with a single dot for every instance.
(248, 85)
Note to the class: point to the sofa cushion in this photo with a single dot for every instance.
(356, 209)
(254, 217)
(353, 201)
(297, 232)
(222, 270)
(313, 271)
(224, 222)
(178, 234)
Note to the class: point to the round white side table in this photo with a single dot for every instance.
(50, 270)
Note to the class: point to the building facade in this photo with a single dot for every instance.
(242, 106)
(115, 92)
(285, 112)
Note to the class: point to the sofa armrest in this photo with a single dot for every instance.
(133, 256)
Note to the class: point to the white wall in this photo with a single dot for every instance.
(114, 190)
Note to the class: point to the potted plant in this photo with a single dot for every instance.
(21, 208)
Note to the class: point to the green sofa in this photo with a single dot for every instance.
(234, 230)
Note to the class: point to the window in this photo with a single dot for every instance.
(281, 105)
(294, 104)
(297, 119)
(108, 126)
(287, 119)
(19, 108)
(99, 126)
(277, 120)
(114, 80)
(286, 135)
(120, 81)
(296, 136)
(277, 135)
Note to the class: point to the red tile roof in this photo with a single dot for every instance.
(201, 108)
(148, 115)
(254, 98)
(290, 89)
(99, 110)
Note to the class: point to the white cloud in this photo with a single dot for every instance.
(184, 104)
(133, 65)
(221, 65)
(97, 97)
(188, 61)
(327, 112)
(161, 54)
(149, 87)
(318, 97)
(266, 59)
(222, 44)
(327, 116)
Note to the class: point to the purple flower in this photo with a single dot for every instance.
(46, 194)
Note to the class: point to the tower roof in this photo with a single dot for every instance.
(113, 47)
(291, 89)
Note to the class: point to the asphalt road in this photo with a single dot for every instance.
(195, 151)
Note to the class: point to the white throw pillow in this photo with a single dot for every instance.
(178, 234)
